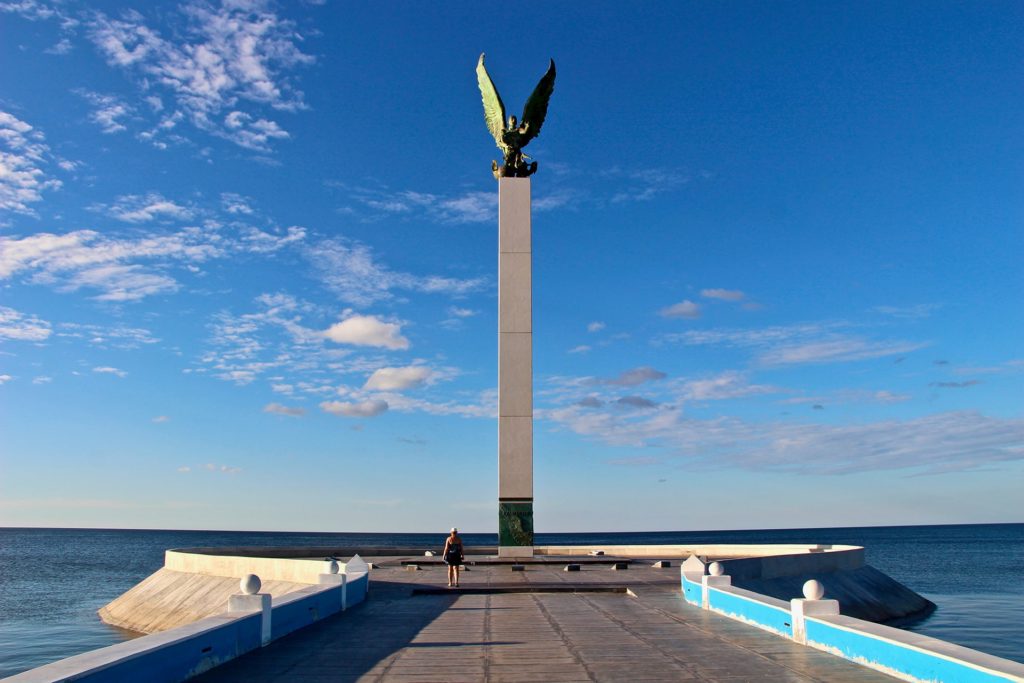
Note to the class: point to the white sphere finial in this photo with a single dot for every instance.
(250, 584)
(716, 569)
(813, 590)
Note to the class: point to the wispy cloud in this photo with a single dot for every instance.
(944, 442)
(135, 208)
(683, 309)
(222, 66)
(726, 385)
(633, 377)
(915, 312)
(18, 326)
(370, 408)
(723, 294)
(107, 370)
(595, 326)
(350, 270)
(641, 185)
(23, 153)
(287, 411)
(796, 344)
(115, 336)
(141, 263)
(108, 110)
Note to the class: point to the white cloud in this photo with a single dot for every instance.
(160, 419)
(915, 312)
(595, 326)
(108, 110)
(640, 185)
(221, 62)
(236, 203)
(835, 350)
(4, 379)
(399, 379)
(135, 208)
(370, 408)
(485, 407)
(117, 336)
(130, 267)
(20, 327)
(256, 241)
(288, 411)
(457, 312)
(469, 207)
(52, 254)
(634, 377)
(22, 153)
(42, 379)
(367, 330)
(107, 370)
(683, 309)
(727, 385)
(121, 283)
(944, 442)
(350, 271)
(723, 294)
(61, 47)
(797, 344)
(33, 10)
(582, 348)
(244, 347)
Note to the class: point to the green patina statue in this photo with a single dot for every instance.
(513, 137)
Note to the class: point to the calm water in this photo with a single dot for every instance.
(52, 581)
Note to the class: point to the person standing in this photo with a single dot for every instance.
(453, 556)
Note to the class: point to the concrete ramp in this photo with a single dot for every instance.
(167, 599)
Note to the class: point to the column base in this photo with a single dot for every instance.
(515, 525)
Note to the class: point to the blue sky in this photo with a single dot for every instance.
(248, 264)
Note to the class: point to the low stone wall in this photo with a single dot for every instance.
(246, 622)
(711, 551)
(819, 624)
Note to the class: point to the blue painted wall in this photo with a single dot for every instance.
(912, 662)
(186, 658)
(692, 591)
(767, 616)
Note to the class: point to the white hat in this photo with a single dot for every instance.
(454, 530)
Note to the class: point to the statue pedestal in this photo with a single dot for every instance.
(515, 370)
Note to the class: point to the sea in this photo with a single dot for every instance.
(52, 581)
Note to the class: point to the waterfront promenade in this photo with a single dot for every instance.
(413, 628)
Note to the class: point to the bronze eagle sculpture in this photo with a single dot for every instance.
(513, 136)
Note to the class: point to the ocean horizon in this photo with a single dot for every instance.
(52, 580)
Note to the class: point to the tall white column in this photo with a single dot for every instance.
(515, 370)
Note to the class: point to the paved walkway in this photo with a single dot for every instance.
(652, 635)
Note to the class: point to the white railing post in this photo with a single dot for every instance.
(716, 579)
(811, 605)
(331, 577)
(251, 600)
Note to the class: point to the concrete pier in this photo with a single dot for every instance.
(523, 626)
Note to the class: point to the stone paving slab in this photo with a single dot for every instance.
(651, 634)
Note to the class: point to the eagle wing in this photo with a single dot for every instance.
(537, 106)
(494, 109)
